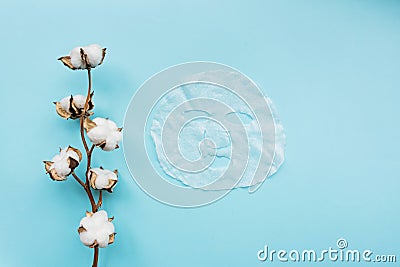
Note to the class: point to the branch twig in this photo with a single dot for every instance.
(79, 180)
(100, 201)
(95, 256)
(89, 152)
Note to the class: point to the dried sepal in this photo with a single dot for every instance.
(73, 107)
(111, 238)
(52, 172)
(60, 111)
(95, 244)
(73, 163)
(92, 179)
(104, 55)
(90, 102)
(89, 214)
(102, 145)
(77, 151)
(81, 229)
(47, 165)
(84, 57)
(63, 164)
(66, 60)
(111, 185)
(100, 179)
(88, 124)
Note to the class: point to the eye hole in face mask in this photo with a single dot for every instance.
(239, 118)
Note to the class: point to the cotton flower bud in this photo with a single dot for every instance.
(72, 107)
(104, 133)
(63, 164)
(103, 179)
(85, 57)
(96, 229)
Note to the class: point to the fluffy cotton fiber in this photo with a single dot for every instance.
(94, 53)
(96, 228)
(78, 100)
(61, 162)
(103, 179)
(105, 133)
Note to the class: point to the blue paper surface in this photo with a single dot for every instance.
(332, 69)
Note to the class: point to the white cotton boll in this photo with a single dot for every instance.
(100, 216)
(105, 133)
(60, 162)
(61, 167)
(102, 178)
(110, 146)
(109, 124)
(65, 102)
(79, 101)
(97, 228)
(98, 134)
(76, 59)
(102, 240)
(63, 163)
(112, 140)
(73, 109)
(87, 238)
(87, 222)
(57, 158)
(94, 53)
(100, 121)
(101, 183)
(72, 154)
(84, 57)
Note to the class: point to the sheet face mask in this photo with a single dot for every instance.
(208, 137)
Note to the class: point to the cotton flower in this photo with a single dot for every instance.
(73, 106)
(84, 57)
(96, 229)
(63, 164)
(103, 133)
(103, 179)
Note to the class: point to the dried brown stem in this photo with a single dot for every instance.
(89, 152)
(87, 190)
(82, 129)
(85, 108)
(100, 201)
(95, 256)
(87, 185)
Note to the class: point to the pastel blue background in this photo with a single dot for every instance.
(332, 69)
